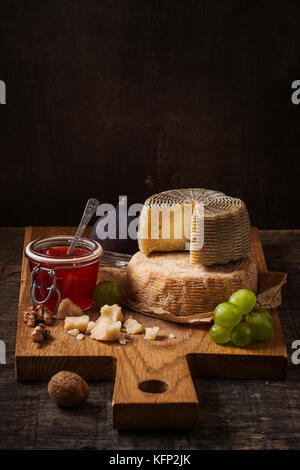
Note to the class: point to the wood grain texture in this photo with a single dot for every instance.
(232, 414)
(167, 359)
(103, 94)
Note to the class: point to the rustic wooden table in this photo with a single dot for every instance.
(233, 414)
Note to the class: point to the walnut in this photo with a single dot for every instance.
(29, 319)
(47, 317)
(68, 389)
(40, 334)
(37, 315)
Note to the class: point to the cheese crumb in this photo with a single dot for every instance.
(79, 323)
(89, 328)
(124, 340)
(80, 336)
(133, 327)
(171, 335)
(151, 333)
(74, 332)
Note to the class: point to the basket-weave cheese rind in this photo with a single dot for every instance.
(168, 281)
(215, 227)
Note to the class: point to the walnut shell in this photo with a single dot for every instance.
(68, 389)
(40, 334)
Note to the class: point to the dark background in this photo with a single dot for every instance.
(109, 97)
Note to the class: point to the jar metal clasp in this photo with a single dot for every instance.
(34, 285)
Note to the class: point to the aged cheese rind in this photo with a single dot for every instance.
(171, 220)
(167, 282)
(227, 233)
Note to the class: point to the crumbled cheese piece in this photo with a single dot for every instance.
(79, 323)
(74, 332)
(106, 331)
(124, 340)
(89, 328)
(151, 333)
(133, 327)
(108, 326)
(80, 337)
(67, 308)
(172, 336)
(111, 312)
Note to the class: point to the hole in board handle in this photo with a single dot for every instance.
(153, 386)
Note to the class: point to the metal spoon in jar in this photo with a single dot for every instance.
(89, 211)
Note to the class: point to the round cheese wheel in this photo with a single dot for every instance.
(168, 282)
(215, 228)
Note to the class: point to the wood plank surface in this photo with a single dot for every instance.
(232, 414)
(137, 97)
(167, 360)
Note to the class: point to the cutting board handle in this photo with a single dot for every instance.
(153, 397)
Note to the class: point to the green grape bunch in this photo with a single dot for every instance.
(239, 322)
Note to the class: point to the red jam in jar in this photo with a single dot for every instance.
(73, 276)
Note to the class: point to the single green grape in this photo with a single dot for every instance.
(244, 299)
(261, 326)
(227, 315)
(219, 334)
(265, 312)
(107, 293)
(241, 334)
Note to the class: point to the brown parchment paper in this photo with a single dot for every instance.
(268, 296)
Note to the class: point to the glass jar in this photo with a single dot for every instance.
(56, 275)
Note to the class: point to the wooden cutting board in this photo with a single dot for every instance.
(153, 379)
